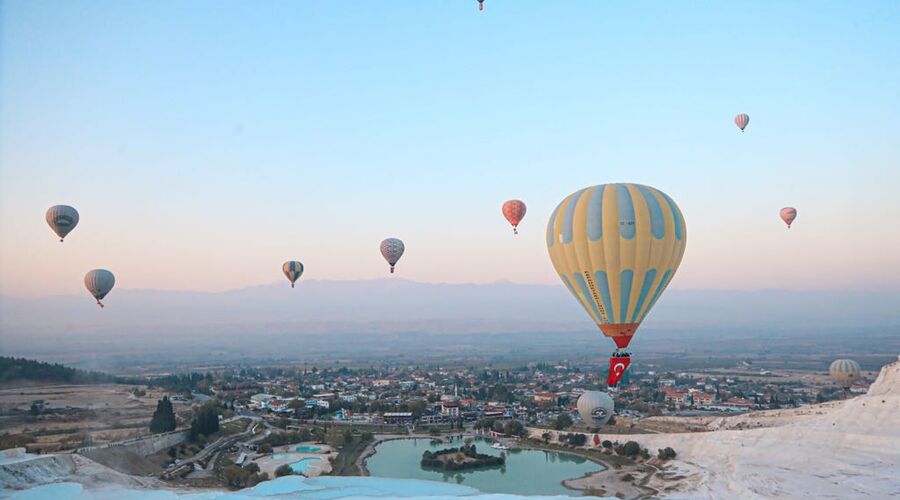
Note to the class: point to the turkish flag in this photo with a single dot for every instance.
(617, 367)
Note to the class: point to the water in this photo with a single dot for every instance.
(527, 472)
(303, 464)
(305, 448)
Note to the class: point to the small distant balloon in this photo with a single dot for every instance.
(392, 249)
(788, 214)
(514, 211)
(99, 282)
(741, 120)
(293, 269)
(62, 220)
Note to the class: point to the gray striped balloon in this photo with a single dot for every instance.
(62, 219)
(844, 372)
(99, 282)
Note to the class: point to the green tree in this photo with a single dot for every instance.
(283, 470)
(563, 421)
(514, 428)
(163, 419)
(206, 421)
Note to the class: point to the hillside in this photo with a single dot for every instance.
(848, 449)
(16, 371)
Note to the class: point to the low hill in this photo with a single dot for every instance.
(18, 371)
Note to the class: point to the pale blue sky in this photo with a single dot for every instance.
(205, 142)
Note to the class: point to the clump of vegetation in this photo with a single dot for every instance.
(25, 369)
(164, 417)
(606, 443)
(290, 437)
(575, 439)
(459, 459)
(236, 476)
(563, 421)
(629, 449)
(284, 470)
(666, 453)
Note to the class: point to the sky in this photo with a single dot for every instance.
(206, 142)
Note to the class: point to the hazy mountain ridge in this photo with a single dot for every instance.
(404, 304)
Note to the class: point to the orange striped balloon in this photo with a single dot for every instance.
(741, 120)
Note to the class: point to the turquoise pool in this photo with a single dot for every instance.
(303, 464)
(305, 448)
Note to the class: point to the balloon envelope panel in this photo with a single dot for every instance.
(595, 407)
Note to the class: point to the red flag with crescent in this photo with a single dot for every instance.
(617, 367)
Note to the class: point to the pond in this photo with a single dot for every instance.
(527, 472)
(303, 464)
(305, 448)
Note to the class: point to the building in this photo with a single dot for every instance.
(397, 417)
(450, 410)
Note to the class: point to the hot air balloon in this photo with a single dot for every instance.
(99, 282)
(595, 408)
(514, 211)
(293, 269)
(392, 250)
(788, 214)
(480, 5)
(741, 120)
(844, 372)
(62, 219)
(616, 247)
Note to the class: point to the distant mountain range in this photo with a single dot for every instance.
(389, 304)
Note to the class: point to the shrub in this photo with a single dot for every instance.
(629, 449)
(606, 443)
(666, 453)
(283, 470)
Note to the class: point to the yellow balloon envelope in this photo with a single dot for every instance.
(616, 247)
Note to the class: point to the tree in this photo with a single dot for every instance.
(629, 449)
(206, 421)
(163, 419)
(563, 421)
(253, 467)
(283, 470)
(265, 448)
(514, 428)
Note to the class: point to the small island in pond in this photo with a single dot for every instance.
(457, 459)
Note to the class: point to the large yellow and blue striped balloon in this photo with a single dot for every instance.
(616, 247)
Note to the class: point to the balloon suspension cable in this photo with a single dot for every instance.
(100, 304)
